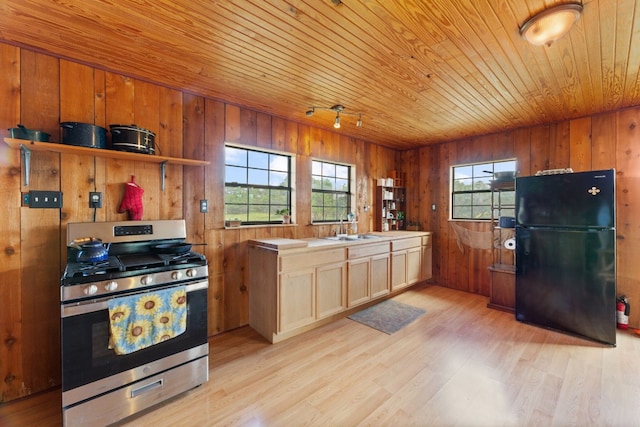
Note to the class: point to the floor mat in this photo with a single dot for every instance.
(389, 316)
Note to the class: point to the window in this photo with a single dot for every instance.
(471, 189)
(257, 184)
(330, 191)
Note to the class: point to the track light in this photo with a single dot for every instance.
(339, 110)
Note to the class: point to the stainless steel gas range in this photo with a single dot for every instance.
(101, 386)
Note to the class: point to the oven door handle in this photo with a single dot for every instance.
(90, 306)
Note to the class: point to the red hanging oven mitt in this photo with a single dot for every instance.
(132, 200)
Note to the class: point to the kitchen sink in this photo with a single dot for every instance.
(360, 236)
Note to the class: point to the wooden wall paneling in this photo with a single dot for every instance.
(194, 177)
(169, 143)
(580, 144)
(215, 256)
(539, 153)
(410, 162)
(604, 134)
(559, 145)
(40, 231)
(628, 205)
(119, 109)
(365, 186)
(77, 104)
(427, 189)
(214, 172)
(441, 227)
(146, 114)
(302, 194)
(479, 260)
(11, 347)
(263, 130)
(459, 259)
(233, 278)
(522, 150)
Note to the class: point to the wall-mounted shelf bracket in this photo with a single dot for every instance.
(26, 163)
(163, 168)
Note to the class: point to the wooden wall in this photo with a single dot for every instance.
(603, 141)
(41, 91)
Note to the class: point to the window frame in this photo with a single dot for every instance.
(271, 207)
(350, 194)
(508, 164)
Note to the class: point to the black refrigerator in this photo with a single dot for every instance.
(566, 253)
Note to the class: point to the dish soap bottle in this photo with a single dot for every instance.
(353, 225)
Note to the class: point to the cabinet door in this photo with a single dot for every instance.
(414, 256)
(380, 271)
(297, 299)
(330, 289)
(358, 281)
(427, 255)
(398, 270)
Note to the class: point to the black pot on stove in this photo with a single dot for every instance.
(132, 138)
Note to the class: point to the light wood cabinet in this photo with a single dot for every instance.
(292, 290)
(380, 275)
(359, 272)
(398, 270)
(405, 262)
(297, 299)
(368, 272)
(330, 289)
(427, 258)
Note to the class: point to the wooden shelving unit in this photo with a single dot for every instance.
(26, 147)
(502, 271)
(390, 208)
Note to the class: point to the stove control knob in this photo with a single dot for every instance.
(90, 290)
(146, 280)
(191, 272)
(176, 275)
(111, 286)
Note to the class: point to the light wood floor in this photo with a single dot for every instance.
(459, 364)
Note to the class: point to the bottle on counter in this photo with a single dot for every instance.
(353, 225)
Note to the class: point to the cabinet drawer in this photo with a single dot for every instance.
(367, 250)
(426, 241)
(310, 259)
(412, 242)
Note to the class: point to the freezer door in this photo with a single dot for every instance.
(585, 199)
(566, 280)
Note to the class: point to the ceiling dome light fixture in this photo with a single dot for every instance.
(550, 24)
(338, 109)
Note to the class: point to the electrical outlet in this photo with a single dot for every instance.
(95, 199)
(204, 206)
(45, 199)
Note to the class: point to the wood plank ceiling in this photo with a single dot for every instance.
(420, 72)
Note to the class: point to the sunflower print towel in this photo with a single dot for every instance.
(140, 321)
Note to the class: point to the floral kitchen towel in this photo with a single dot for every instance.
(139, 321)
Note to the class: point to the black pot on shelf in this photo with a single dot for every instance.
(83, 134)
(22, 132)
(132, 138)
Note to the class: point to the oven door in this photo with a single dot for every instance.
(89, 367)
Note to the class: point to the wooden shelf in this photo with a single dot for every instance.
(26, 147)
(99, 152)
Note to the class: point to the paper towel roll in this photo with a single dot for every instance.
(510, 244)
